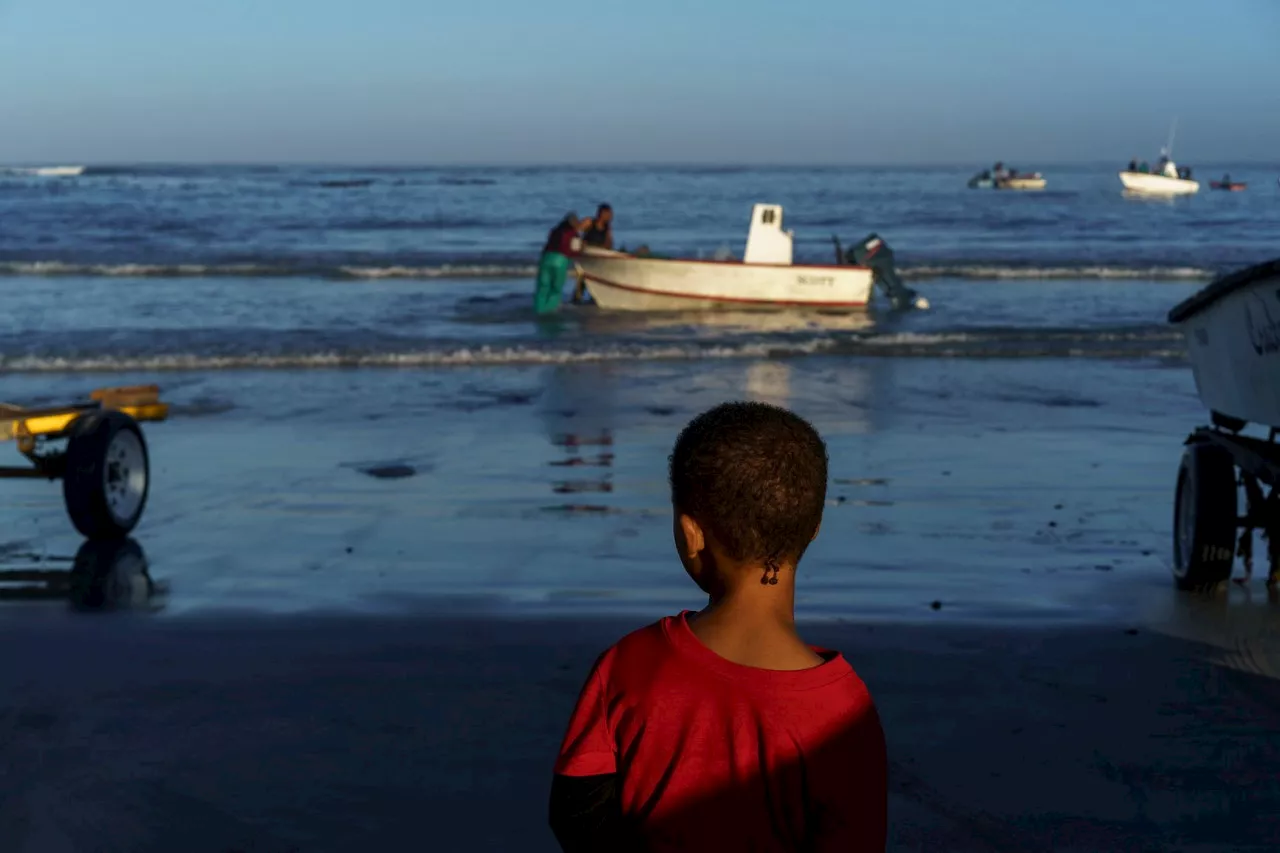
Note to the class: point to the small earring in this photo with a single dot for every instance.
(765, 579)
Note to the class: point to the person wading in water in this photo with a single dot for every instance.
(562, 243)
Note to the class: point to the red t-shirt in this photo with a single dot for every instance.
(561, 240)
(713, 755)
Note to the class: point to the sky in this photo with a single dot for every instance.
(689, 81)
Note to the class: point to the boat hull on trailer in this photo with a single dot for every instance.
(622, 282)
(1232, 329)
(1151, 184)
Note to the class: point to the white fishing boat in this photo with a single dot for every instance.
(1165, 179)
(1164, 182)
(765, 278)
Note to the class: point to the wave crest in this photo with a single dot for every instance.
(510, 269)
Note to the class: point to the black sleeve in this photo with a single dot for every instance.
(585, 814)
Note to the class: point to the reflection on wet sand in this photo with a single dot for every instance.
(769, 382)
(787, 384)
(103, 576)
(579, 416)
(1240, 625)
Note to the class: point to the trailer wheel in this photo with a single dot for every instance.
(1205, 518)
(108, 475)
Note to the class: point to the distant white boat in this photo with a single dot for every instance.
(1166, 179)
(49, 171)
(1162, 183)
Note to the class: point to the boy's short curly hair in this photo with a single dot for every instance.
(754, 476)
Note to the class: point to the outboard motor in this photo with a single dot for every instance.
(875, 254)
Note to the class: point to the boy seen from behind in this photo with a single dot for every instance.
(722, 729)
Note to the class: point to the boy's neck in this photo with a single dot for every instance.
(755, 627)
(756, 605)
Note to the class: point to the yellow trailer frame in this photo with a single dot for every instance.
(105, 467)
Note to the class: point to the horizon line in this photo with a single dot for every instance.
(626, 164)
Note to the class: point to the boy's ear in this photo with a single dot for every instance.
(816, 531)
(694, 539)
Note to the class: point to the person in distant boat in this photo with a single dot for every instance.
(1133, 165)
(596, 231)
(1143, 167)
(562, 243)
(1226, 179)
(999, 172)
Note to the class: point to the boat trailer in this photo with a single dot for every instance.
(104, 465)
(1209, 531)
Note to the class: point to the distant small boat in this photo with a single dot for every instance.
(58, 171)
(1230, 186)
(1006, 180)
(1034, 181)
(48, 171)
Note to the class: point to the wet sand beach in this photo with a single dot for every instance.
(372, 595)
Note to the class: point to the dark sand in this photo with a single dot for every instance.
(351, 734)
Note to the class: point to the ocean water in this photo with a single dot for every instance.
(1010, 451)
(233, 267)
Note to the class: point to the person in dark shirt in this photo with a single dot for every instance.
(722, 729)
(562, 244)
(596, 231)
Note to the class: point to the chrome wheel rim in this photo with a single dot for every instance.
(125, 476)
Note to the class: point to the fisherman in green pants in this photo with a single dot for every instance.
(562, 242)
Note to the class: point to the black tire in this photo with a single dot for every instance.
(1205, 518)
(108, 475)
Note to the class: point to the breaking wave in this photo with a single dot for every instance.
(997, 343)
(262, 270)
(991, 271)
(515, 269)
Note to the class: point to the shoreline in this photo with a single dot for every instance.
(948, 485)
